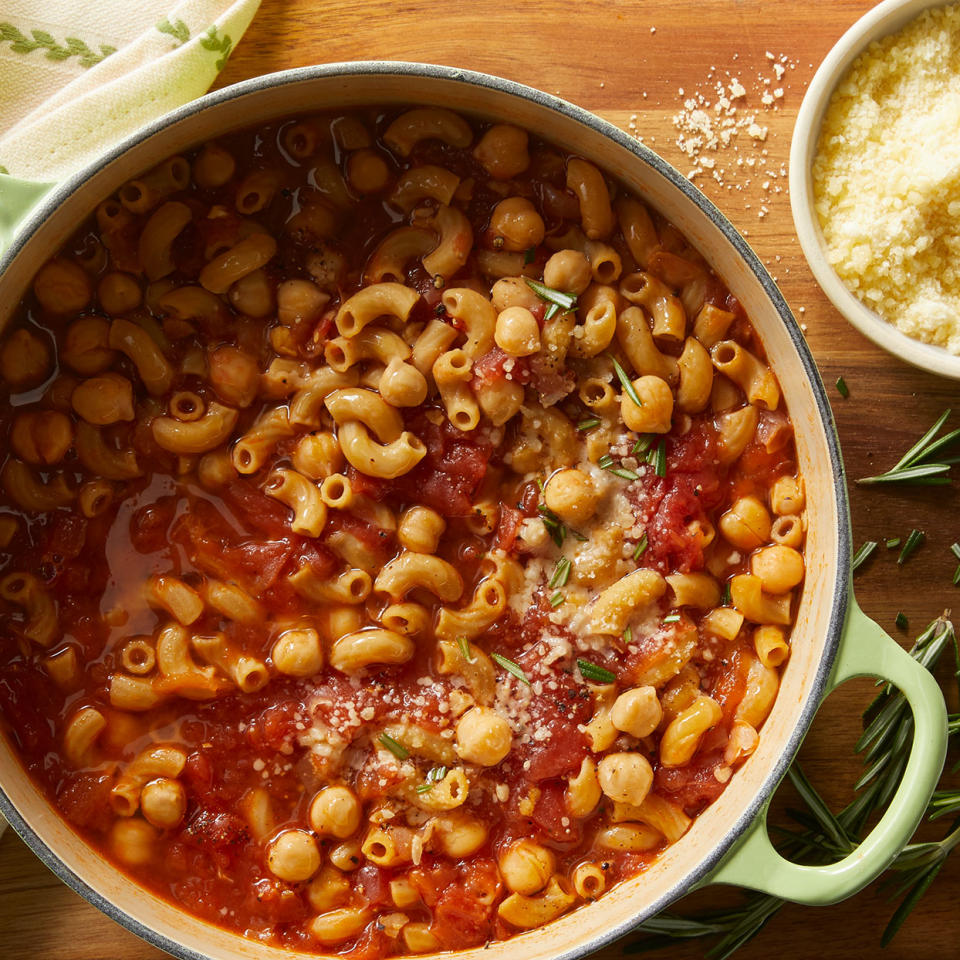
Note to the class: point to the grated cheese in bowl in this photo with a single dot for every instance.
(886, 178)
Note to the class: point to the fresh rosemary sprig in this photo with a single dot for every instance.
(823, 837)
(862, 555)
(919, 465)
(557, 299)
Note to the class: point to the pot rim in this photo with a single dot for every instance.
(699, 874)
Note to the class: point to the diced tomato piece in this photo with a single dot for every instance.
(508, 528)
(255, 509)
(216, 832)
(150, 525)
(551, 811)
(372, 944)
(431, 878)
(276, 902)
(496, 364)
(85, 800)
(275, 727)
(460, 920)
(692, 786)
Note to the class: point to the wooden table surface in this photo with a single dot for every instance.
(635, 64)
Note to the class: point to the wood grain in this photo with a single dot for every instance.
(628, 61)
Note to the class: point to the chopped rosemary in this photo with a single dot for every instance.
(661, 459)
(529, 255)
(672, 618)
(893, 542)
(725, 598)
(955, 550)
(643, 444)
(628, 388)
(561, 574)
(464, 645)
(557, 598)
(510, 667)
(918, 465)
(901, 620)
(606, 461)
(555, 526)
(434, 775)
(592, 671)
(560, 300)
(862, 555)
(842, 388)
(641, 546)
(624, 474)
(628, 635)
(589, 423)
(914, 540)
(397, 749)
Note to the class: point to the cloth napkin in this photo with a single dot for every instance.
(80, 75)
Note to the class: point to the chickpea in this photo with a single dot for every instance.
(335, 810)
(119, 293)
(483, 737)
(62, 286)
(300, 300)
(326, 266)
(132, 841)
(293, 856)
(163, 802)
(746, 524)
(517, 332)
(625, 777)
(779, 567)
(235, 376)
(25, 360)
(252, 295)
(569, 271)
(656, 413)
(571, 495)
(526, 866)
(502, 151)
(105, 399)
(517, 221)
(41, 437)
(86, 347)
(367, 171)
(637, 712)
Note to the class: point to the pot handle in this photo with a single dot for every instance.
(866, 650)
(17, 198)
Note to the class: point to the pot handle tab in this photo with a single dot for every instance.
(17, 198)
(866, 650)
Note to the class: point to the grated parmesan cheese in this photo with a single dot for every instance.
(887, 178)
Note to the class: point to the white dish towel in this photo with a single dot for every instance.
(79, 75)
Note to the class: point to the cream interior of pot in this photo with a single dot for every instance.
(814, 639)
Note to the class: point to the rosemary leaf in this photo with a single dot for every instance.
(624, 474)
(842, 388)
(464, 645)
(641, 547)
(914, 540)
(661, 461)
(591, 671)
(862, 555)
(565, 301)
(628, 388)
(510, 667)
(588, 424)
(397, 749)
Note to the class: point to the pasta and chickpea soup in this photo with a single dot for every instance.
(401, 532)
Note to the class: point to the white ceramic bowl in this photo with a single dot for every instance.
(886, 18)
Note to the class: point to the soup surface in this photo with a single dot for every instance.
(400, 532)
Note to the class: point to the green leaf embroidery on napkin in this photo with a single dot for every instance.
(178, 30)
(212, 41)
(41, 40)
